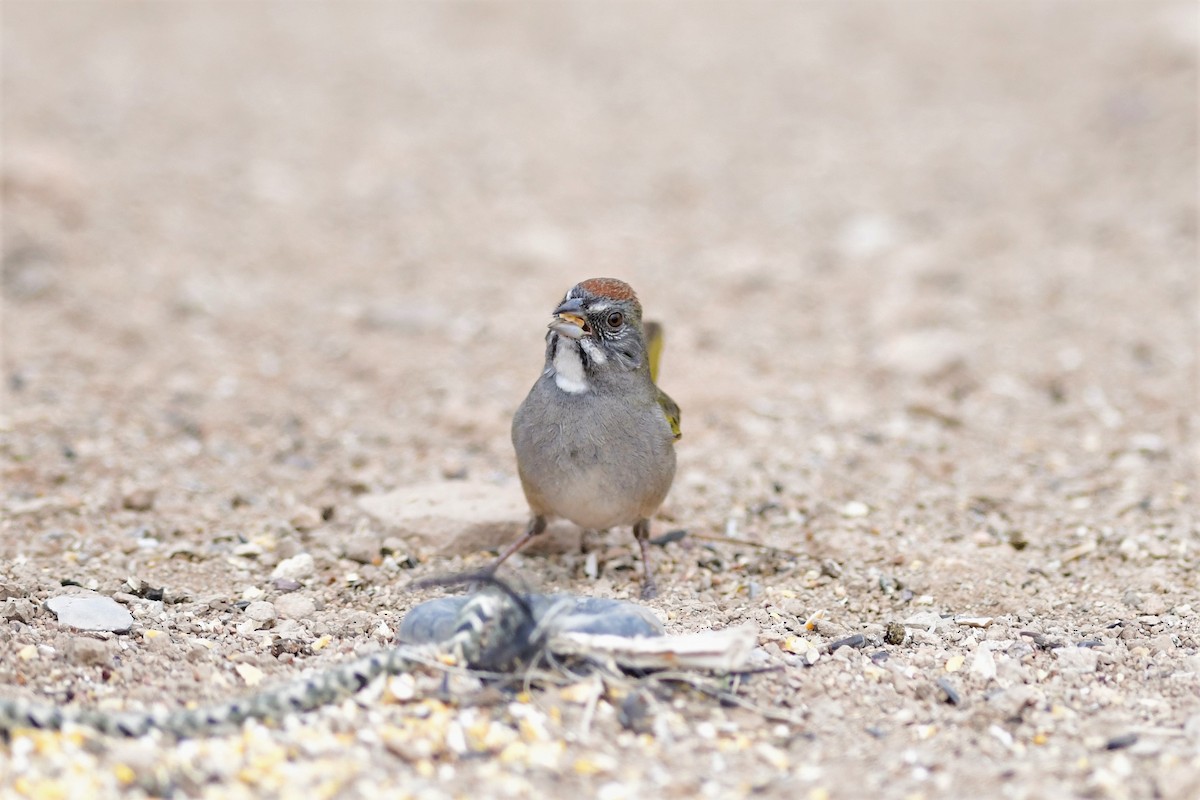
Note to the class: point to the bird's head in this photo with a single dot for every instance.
(601, 320)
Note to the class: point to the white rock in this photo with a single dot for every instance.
(923, 353)
(866, 235)
(295, 606)
(855, 508)
(91, 612)
(930, 620)
(983, 665)
(298, 567)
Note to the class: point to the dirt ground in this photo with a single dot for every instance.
(928, 276)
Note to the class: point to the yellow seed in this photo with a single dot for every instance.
(322, 643)
(584, 767)
(125, 774)
(954, 663)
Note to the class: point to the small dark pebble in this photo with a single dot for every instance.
(879, 656)
(143, 590)
(894, 633)
(286, 584)
(877, 732)
(1090, 643)
(290, 647)
(1040, 640)
(634, 713)
(1121, 742)
(668, 537)
(857, 640)
(241, 605)
(952, 695)
(139, 500)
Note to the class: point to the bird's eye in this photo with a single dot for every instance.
(615, 319)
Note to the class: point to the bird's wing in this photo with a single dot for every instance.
(671, 409)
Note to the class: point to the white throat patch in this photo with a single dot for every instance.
(568, 367)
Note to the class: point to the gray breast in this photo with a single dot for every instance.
(590, 459)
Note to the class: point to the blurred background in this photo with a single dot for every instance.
(273, 255)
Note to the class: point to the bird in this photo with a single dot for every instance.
(595, 437)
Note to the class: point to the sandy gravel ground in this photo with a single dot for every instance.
(928, 273)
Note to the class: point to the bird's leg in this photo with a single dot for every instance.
(641, 532)
(537, 524)
(587, 540)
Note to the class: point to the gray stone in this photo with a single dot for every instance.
(1077, 659)
(457, 517)
(90, 652)
(91, 612)
(295, 606)
(261, 611)
(364, 547)
(18, 609)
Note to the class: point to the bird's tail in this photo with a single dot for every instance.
(654, 346)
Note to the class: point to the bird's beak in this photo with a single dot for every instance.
(569, 321)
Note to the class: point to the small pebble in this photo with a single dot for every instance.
(295, 606)
(88, 651)
(855, 641)
(20, 610)
(634, 713)
(951, 694)
(1121, 742)
(364, 547)
(1078, 659)
(894, 633)
(983, 665)
(305, 518)
(261, 611)
(139, 500)
(855, 509)
(286, 584)
(297, 568)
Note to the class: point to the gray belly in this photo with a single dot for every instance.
(590, 461)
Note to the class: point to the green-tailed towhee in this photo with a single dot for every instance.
(595, 437)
